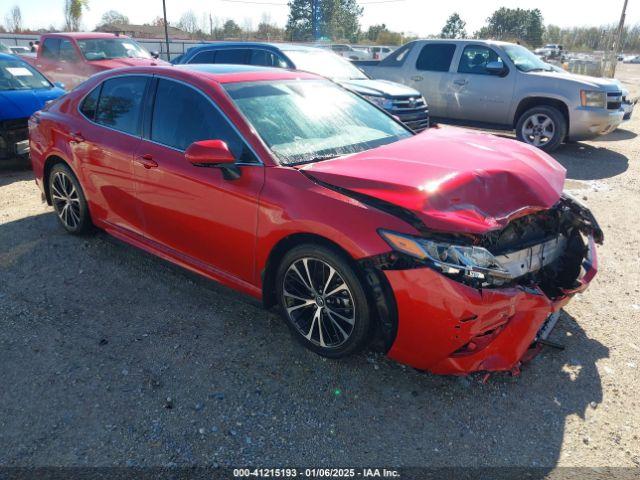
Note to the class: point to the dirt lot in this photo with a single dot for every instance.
(110, 356)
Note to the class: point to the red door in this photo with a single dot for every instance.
(190, 210)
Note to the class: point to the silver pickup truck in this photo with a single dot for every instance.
(503, 85)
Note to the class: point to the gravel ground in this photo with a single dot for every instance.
(110, 356)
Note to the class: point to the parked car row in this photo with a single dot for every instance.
(451, 250)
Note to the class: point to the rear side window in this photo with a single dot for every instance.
(397, 58)
(182, 115)
(474, 59)
(51, 48)
(436, 57)
(120, 103)
(208, 56)
(90, 103)
(264, 58)
(234, 56)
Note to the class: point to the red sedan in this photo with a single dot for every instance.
(449, 250)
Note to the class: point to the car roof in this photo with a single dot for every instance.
(85, 35)
(220, 73)
(464, 40)
(8, 56)
(266, 45)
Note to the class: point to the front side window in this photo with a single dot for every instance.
(19, 75)
(51, 48)
(232, 56)
(95, 49)
(312, 120)
(182, 115)
(474, 59)
(68, 52)
(120, 102)
(436, 57)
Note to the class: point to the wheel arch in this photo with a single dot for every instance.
(541, 101)
(375, 284)
(49, 163)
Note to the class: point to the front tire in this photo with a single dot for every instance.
(544, 127)
(68, 200)
(323, 301)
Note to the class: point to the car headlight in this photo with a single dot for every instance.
(470, 261)
(593, 98)
(381, 102)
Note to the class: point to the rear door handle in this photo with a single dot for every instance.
(460, 81)
(76, 137)
(147, 161)
(417, 78)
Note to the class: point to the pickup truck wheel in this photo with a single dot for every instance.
(543, 127)
(323, 301)
(68, 200)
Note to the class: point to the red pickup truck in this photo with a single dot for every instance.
(71, 58)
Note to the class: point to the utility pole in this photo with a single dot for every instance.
(616, 47)
(166, 29)
(315, 19)
(610, 59)
(210, 26)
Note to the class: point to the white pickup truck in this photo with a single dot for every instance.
(504, 85)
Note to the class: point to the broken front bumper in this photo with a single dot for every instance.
(447, 327)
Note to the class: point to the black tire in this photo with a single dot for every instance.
(334, 308)
(542, 113)
(65, 190)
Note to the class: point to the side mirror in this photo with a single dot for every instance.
(213, 154)
(496, 68)
(155, 54)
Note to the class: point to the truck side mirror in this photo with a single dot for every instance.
(155, 54)
(496, 68)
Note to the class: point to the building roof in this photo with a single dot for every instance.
(144, 31)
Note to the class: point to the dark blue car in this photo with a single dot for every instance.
(23, 90)
(405, 103)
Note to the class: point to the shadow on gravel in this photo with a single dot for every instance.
(587, 162)
(617, 135)
(111, 357)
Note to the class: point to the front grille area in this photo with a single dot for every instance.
(11, 132)
(412, 111)
(614, 100)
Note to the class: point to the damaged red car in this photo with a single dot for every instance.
(449, 250)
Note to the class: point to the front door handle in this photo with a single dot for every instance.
(146, 161)
(417, 78)
(76, 137)
(461, 81)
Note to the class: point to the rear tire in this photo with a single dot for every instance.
(323, 301)
(544, 127)
(68, 200)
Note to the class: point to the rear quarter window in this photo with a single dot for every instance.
(397, 58)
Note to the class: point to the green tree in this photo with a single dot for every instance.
(73, 10)
(374, 31)
(514, 24)
(454, 28)
(231, 29)
(113, 17)
(339, 19)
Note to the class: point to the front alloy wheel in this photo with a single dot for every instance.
(323, 301)
(544, 127)
(538, 129)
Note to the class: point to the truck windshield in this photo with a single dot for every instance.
(313, 120)
(108, 48)
(524, 60)
(18, 75)
(324, 63)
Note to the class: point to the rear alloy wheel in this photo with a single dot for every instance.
(323, 301)
(68, 200)
(543, 127)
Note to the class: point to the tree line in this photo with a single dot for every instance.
(339, 21)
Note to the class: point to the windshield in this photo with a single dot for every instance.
(107, 48)
(524, 60)
(305, 121)
(324, 63)
(18, 75)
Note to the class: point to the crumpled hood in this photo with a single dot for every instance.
(382, 88)
(454, 180)
(23, 103)
(127, 62)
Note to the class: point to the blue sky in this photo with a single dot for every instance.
(417, 16)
